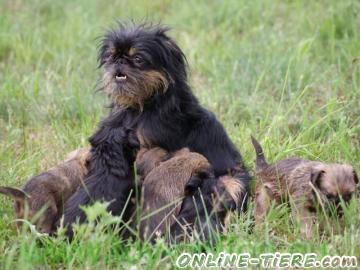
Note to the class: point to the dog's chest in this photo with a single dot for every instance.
(169, 136)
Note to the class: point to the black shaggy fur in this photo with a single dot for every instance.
(170, 117)
(110, 176)
(201, 209)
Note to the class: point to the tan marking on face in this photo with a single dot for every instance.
(154, 82)
(131, 51)
(112, 49)
(233, 186)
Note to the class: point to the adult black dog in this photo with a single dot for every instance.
(146, 78)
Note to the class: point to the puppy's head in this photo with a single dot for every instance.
(148, 159)
(82, 158)
(207, 202)
(139, 62)
(37, 209)
(335, 181)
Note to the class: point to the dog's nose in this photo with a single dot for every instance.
(121, 61)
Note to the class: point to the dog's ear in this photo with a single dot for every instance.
(176, 59)
(356, 178)
(315, 177)
(192, 185)
(15, 193)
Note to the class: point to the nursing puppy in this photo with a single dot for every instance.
(42, 198)
(180, 193)
(205, 207)
(302, 182)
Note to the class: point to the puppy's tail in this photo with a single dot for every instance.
(260, 157)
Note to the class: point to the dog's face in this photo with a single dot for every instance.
(335, 181)
(139, 62)
(207, 202)
(40, 211)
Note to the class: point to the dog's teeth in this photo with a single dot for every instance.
(120, 78)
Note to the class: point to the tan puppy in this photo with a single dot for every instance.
(148, 159)
(171, 188)
(304, 183)
(41, 199)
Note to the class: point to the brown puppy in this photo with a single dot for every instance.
(178, 191)
(302, 182)
(148, 159)
(163, 184)
(41, 199)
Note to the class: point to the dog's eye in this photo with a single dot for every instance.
(138, 60)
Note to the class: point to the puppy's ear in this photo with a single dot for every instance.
(315, 177)
(192, 185)
(15, 193)
(356, 178)
(206, 173)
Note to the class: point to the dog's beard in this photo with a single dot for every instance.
(139, 87)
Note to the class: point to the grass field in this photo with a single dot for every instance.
(287, 72)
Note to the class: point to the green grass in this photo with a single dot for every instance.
(287, 72)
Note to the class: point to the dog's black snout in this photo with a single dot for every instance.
(121, 61)
(118, 73)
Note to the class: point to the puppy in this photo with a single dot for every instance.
(147, 159)
(42, 197)
(180, 192)
(205, 207)
(302, 182)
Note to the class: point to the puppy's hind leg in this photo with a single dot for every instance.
(262, 204)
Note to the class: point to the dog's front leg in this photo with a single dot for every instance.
(111, 173)
(304, 217)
